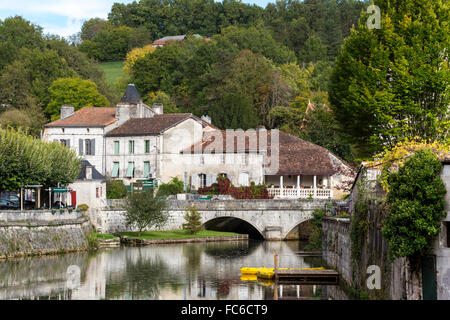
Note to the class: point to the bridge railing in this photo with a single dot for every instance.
(300, 193)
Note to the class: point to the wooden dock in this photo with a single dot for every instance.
(293, 276)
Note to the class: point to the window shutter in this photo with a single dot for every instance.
(194, 178)
(208, 180)
(93, 147)
(80, 147)
(68, 143)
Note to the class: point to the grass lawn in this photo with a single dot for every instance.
(103, 236)
(113, 71)
(175, 234)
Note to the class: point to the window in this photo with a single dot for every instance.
(147, 146)
(97, 193)
(130, 170)
(65, 142)
(116, 147)
(202, 177)
(131, 147)
(89, 147)
(115, 170)
(146, 169)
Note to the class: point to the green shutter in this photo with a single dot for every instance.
(131, 146)
(115, 171)
(116, 147)
(147, 146)
(146, 169)
(130, 170)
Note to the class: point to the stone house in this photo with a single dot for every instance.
(134, 142)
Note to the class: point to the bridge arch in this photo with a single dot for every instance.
(230, 223)
(295, 228)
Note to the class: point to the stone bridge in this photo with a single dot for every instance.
(270, 219)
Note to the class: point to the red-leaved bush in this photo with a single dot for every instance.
(224, 186)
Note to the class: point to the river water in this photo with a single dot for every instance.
(175, 271)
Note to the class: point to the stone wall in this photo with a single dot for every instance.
(337, 254)
(38, 232)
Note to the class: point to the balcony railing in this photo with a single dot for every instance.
(300, 193)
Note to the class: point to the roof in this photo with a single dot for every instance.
(163, 40)
(95, 174)
(296, 156)
(152, 126)
(131, 95)
(87, 117)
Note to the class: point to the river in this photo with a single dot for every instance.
(175, 271)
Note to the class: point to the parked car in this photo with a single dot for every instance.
(9, 205)
(10, 196)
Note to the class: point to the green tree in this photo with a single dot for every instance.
(73, 91)
(115, 189)
(193, 220)
(25, 160)
(394, 82)
(416, 200)
(173, 187)
(143, 210)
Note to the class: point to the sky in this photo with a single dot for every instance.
(65, 17)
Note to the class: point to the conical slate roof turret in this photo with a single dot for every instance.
(131, 95)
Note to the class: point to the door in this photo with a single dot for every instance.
(73, 197)
(429, 289)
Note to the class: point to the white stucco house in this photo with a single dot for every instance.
(134, 142)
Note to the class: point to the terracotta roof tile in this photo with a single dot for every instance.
(296, 156)
(87, 117)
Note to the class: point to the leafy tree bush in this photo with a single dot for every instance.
(315, 238)
(115, 189)
(416, 199)
(175, 186)
(73, 91)
(143, 209)
(25, 160)
(394, 82)
(224, 186)
(193, 220)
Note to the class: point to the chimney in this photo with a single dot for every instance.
(206, 118)
(158, 108)
(88, 173)
(122, 111)
(67, 111)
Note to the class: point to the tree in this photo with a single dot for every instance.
(135, 54)
(73, 91)
(115, 189)
(193, 220)
(394, 82)
(416, 203)
(25, 160)
(143, 210)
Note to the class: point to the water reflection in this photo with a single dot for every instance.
(181, 271)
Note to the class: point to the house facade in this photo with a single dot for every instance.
(134, 142)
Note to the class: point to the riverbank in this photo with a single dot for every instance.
(169, 236)
(31, 233)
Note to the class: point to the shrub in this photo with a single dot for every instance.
(224, 186)
(175, 186)
(115, 189)
(83, 207)
(193, 221)
(416, 200)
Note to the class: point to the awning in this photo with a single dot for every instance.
(115, 170)
(130, 170)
